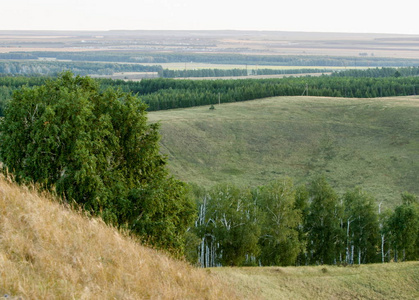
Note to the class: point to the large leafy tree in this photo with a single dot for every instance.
(324, 223)
(228, 226)
(280, 243)
(403, 227)
(97, 149)
(362, 227)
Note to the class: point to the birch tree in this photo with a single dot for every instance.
(280, 244)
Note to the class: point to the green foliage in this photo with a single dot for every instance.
(166, 73)
(228, 222)
(378, 72)
(161, 94)
(361, 226)
(97, 149)
(280, 224)
(280, 244)
(403, 229)
(79, 68)
(325, 233)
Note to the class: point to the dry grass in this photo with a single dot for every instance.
(48, 251)
(379, 281)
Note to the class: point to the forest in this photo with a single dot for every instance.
(283, 224)
(162, 93)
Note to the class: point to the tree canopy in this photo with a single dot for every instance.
(97, 149)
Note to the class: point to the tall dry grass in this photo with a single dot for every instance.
(48, 251)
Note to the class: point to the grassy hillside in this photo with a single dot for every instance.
(388, 281)
(48, 251)
(372, 143)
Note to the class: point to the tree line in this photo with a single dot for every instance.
(378, 72)
(215, 58)
(166, 73)
(162, 94)
(166, 93)
(52, 68)
(282, 224)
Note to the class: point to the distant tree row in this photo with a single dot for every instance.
(166, 73)
(282, 224)
(378, 72)
(215, 58)
(162, 94)
(78, 68)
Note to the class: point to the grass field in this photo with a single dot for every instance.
(371, 143)
(388, 281)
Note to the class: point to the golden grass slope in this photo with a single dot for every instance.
(48, 251)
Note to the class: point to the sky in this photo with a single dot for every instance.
(360, 16)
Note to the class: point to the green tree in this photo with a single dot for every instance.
(97, 149)
(230, 226)
(301, 204)
(324, 223)
(403, 226)
(280, 244)
(361, 226)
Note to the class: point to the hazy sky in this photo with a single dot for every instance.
(374, 16)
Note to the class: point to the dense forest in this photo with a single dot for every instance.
(282, 224)
(163, 93)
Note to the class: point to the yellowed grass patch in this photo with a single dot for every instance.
(47, 251)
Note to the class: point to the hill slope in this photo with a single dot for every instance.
(371, 143)
(48, 251)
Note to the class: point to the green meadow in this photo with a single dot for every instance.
(369, 143)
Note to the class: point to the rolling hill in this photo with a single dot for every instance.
(370, 143)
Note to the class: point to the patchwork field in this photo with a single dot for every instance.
(251, 42)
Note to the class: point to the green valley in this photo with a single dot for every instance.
(369, 143)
